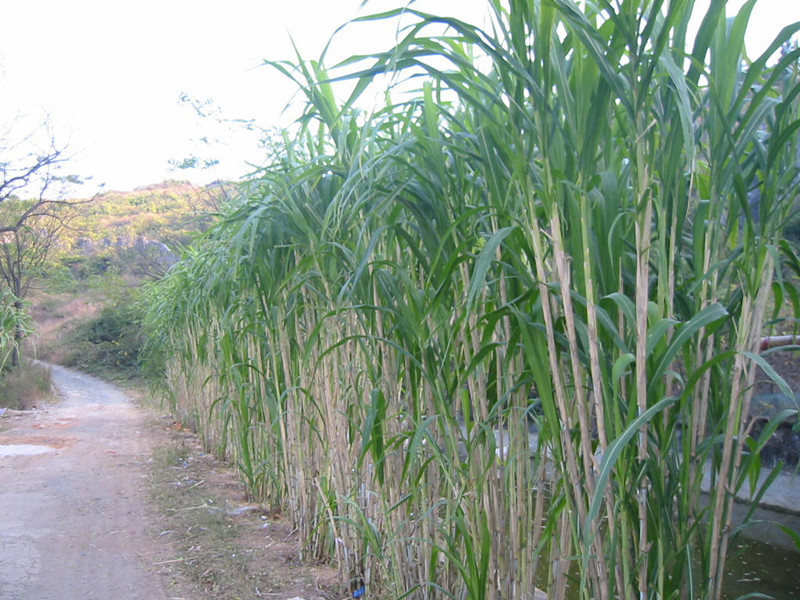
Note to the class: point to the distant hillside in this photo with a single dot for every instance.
(169, 212)
(138, 233)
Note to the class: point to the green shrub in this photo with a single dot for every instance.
(84, 267)
(58, 278)
(108, 344)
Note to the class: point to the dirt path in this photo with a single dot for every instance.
(74, 523)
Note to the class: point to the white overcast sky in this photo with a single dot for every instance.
(110, 73)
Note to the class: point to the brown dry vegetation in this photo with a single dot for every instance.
(223, 546)
(25, 388)
(56, 315)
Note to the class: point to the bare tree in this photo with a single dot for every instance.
(25, 246)
(34, 208)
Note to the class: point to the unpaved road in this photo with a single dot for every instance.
(73, 519)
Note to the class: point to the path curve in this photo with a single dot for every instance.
(73, 518)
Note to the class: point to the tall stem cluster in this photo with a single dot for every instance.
(492, 337)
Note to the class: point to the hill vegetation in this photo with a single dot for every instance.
(171, 212)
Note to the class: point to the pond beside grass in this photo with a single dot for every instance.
(755, 567)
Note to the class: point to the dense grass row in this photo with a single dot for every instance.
(563, 238)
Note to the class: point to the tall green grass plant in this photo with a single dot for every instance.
(555, 235)
(15, 326)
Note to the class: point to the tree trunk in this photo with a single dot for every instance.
(18, 337)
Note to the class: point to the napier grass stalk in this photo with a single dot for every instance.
(553, 234)
(16, 325)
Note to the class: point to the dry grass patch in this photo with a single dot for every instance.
(222, 545)
(25, 387)
(57, 316)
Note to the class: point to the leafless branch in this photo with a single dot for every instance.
(34, 207)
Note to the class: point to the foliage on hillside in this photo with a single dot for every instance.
(170, 212)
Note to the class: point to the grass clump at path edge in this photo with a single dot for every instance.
(24, 387)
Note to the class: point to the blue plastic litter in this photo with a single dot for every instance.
(359, 592)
